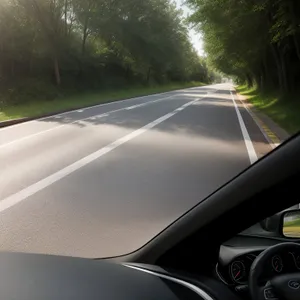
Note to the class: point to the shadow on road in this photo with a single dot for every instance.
(213, 117)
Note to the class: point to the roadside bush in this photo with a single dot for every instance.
(29, 90)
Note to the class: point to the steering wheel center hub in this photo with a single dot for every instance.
(285, 286)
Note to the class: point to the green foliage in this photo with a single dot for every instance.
(253, 41)
(39, 106)
(295, 223)
(28, 90)
(284, 110)
(79, 45)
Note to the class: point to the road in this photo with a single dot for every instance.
(102, 181)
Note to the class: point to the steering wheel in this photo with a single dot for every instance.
(281, 287)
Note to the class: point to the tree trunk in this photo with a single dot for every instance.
(128, 71)
(148, 75)
(257, 79)
(83, 45)
(268, 78)
(70, 26)
(265, 75)
(296, 46)
(249, 80)
(85, 35)
(262, 78)
(276, 56)
(66, 16)
(284, 71)
(56, 71)
(292, 10)
(31, 55)
(278, 66)
(12, 64)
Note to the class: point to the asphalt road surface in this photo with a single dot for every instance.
(102, 181)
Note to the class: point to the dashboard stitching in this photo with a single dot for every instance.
(188, 285)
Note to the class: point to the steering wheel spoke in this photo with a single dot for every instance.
(267, 293)
(283, 286)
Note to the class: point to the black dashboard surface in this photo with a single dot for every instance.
(241, 245)
(32, 277)
(237, 255)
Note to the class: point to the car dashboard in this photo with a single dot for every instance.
(34, 276)
(237, 257)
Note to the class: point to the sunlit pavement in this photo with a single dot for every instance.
(102, 181)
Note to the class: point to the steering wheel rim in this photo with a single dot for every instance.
(280, 287)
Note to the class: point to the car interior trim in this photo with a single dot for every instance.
(220, 276)
(188, 285)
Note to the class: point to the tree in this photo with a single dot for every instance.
(84, 44)
(255, 41)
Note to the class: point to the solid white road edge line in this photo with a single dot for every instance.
(249, 145)
(84, 119)
(42, 184)
(272, 145)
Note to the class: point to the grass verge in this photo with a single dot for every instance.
(294, 223)
(283, 109)
(41, 107)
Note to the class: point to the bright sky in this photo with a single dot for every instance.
(195, 37)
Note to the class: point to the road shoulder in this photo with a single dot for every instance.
(274, 134)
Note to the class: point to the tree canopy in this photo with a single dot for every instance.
(252, 40)
(80, 44)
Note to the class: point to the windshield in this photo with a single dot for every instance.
(118, 116)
